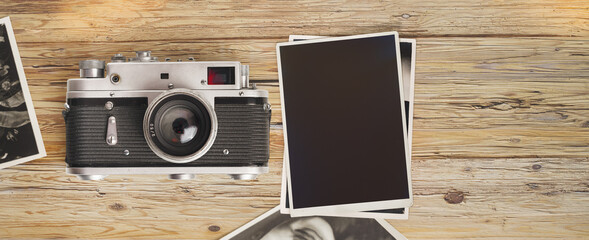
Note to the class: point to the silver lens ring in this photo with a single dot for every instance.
(150, 133)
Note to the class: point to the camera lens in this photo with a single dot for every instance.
(179, 126)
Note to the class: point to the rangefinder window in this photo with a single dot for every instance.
(221, 75)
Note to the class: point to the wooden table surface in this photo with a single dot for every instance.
(501, 131)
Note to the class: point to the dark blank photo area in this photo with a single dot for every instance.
(344, 122)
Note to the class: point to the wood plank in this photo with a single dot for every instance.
(497, 199)
(470, 175)
(140, 20)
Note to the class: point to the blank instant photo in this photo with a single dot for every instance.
(408, 49)
(274, 225)
(20, 136)
(344, 124)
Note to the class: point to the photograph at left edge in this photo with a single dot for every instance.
(20, 136)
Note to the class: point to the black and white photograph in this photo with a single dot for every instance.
(408, 49)
(273, 225)
(20, 136)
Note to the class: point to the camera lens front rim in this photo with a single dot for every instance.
(149, 125)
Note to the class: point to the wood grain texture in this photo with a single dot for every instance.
(501, 129)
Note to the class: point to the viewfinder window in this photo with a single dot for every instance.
(221, 75)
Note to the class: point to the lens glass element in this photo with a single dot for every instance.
(178, 125)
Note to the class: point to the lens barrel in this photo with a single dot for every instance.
(179, 126)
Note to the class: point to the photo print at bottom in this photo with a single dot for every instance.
(273, 225)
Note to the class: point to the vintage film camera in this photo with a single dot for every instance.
(177, 118)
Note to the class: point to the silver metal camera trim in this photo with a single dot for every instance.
(97, 173)
(177, 159)
(152, 94)
(137, 76)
